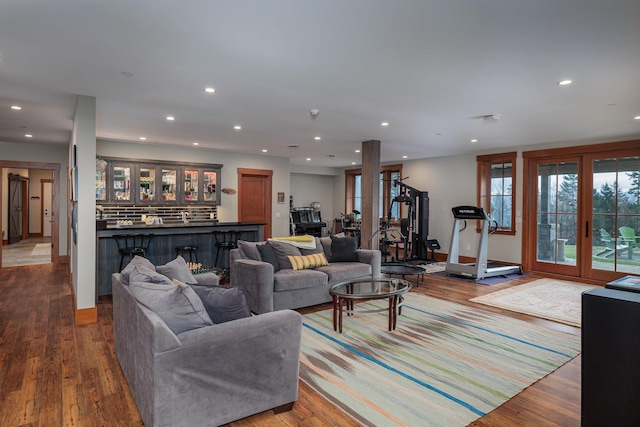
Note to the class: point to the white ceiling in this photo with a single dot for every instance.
(431, 68)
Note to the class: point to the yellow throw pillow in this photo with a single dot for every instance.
(300, 262)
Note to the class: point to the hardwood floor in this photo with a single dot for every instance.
(53, 373)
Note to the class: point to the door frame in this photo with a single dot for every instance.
(55, 199)
(42, 184)
(586, 153)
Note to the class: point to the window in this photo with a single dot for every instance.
(388, 174)
(496, 189)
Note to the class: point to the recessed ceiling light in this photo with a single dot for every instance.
(196, 143)
(16, 107)
(474, 141)
(384, 124)
(353, 163)
(317, 138)
(28, 135)
(264, 150)
(308, 159)
(171, 118)
(143, 138)
(357, 151)
(209, 90)
(404, 157)
(237, 127)
(637, 117)
(564, 82)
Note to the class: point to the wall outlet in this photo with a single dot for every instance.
(277, 214)
(468, 247)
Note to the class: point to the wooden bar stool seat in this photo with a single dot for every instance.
(190, 250)
(130, 245)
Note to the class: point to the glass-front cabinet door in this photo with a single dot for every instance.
(121, 183)
(101, 184)
(169, 184)
(146, 184)
(190, 185)
(210, 181)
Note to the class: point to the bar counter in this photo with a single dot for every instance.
(162, 246)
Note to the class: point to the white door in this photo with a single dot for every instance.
(46, 206)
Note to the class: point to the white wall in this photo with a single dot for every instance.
(45, 153)
(306, 188)
(228, 208)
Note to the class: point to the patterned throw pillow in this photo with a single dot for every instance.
(300, 262)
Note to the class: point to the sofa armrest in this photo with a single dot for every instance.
(372, 257)
(256, 277)
(244, 366)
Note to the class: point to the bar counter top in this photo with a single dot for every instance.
(179, 224)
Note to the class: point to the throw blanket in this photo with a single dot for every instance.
(304, 241)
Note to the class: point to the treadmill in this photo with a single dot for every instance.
(481, 269)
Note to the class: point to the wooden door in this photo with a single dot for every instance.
(15, 209)
(254, 197)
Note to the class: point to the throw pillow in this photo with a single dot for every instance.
(267, 254)
(343, 249)
(282, 251)
(223, 303)
(178, 305)
(141, 273)
(249, 250)
(307, 261)
(136, 261)
(177, 269)
(318, 249)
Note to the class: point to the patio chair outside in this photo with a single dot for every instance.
(629, 237)
(612, 245)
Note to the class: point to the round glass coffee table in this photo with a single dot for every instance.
(345, 293)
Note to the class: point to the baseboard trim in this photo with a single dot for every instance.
(86, 316)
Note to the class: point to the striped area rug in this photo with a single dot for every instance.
(446, 364)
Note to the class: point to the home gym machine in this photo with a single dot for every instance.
(414, 229)
(480, 269)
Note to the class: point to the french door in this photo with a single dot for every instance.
(557, 226)
(583, 212)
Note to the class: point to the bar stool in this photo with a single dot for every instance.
(225, 241)
(130, 245)
(191, 250)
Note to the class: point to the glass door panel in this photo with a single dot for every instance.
(210, 179)
(169, 177)
(121, 183)
(147, 184)
(557, 217)
(615, 215)
(101, 184)
(190, 185)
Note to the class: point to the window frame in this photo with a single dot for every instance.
(484, 163)
(385, 201)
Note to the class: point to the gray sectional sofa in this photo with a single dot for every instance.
(211, 374)
(276, 285)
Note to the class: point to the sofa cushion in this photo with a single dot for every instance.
(303, 262)
(137, 260)
(223, 303)
(339, 271)
(249, 250)
(317, 250)
(177, 269)
(178, 305)
(282, 251)
(142, 273)
(267, 254)
(343, 249)
(288, 279)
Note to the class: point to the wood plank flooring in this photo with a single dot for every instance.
(53, 373)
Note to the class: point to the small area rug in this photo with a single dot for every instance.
(446, 364)
(557, 300)
(41, 249)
